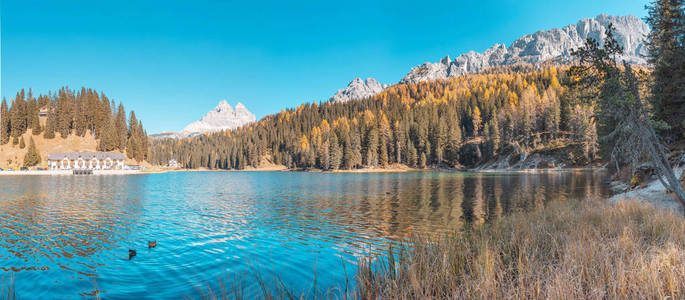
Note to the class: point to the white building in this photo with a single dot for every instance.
(86, 161)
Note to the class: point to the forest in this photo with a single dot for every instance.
(445, 123)
(68, 112)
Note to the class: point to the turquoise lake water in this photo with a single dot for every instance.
(66, 237)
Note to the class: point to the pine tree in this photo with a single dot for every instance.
(4, 123)
(666, 44)
(132, 144)
(372, 148)
(476, 121)
(50, 124)
(143, 145)
(121, 128)
(353, 157)
(494, 136)
(22, 144)
(412, 157)
(335, 152)
(32, 156)
(36, 128)
(453, 144)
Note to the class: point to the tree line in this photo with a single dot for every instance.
(81, 113)
(444, 123)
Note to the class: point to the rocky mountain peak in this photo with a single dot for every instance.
(358, 89)
(554, 44)
(222, 117)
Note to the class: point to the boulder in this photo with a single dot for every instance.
(643, 173)
(617, 187)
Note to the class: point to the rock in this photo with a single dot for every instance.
(358, 89)
(642, 175)
(131, 253)
(151, 244)
(549, 45)
(617, 187)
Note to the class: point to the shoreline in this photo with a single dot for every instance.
(393, 169)
(69, 173)
(653, 193)
(390, 169)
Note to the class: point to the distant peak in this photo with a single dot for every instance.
(222, 117)
(223, 106)
(358, 89)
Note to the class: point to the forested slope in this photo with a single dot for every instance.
(82, 120)
(463, 121)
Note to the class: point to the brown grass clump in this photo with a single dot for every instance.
(581, 250)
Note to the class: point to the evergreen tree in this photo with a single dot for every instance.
(335, 152)
(132, 145)
(453, 144)
(666, 44)
(4, 123)
(121, 128)
(32, 156)
(50, 125)
(372, 148)
(22, 144)
(476, 119)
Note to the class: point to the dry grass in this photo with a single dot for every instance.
(11, 156)
(587, 250)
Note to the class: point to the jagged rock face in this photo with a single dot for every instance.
(222, 117)
(358, 89)
(554, 44)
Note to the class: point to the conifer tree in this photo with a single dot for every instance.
(666, 45)
(50, 124)
(335, 152)
(4, 123)
(476, 121)
(121, 128)
(371, 157)
(133, 145)
(32, 156)
(22, 144)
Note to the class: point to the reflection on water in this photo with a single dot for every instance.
(65, 237)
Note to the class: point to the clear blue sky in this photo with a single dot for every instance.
(171, 61)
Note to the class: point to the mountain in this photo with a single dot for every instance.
(549, 45)
(222, 117)
(358, 89)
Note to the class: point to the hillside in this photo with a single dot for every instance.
(68, 120)
(466, 121)
(12, 156)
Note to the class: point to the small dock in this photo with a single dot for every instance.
(83, 172)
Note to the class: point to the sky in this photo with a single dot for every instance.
(172, 61)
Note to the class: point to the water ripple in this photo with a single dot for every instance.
(68, 237)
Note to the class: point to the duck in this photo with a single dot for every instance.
(131, 253)
(151, 244)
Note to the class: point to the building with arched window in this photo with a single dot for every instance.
(86, 161)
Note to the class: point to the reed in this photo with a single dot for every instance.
(572, 250)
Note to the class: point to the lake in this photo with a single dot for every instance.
(69, 236)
